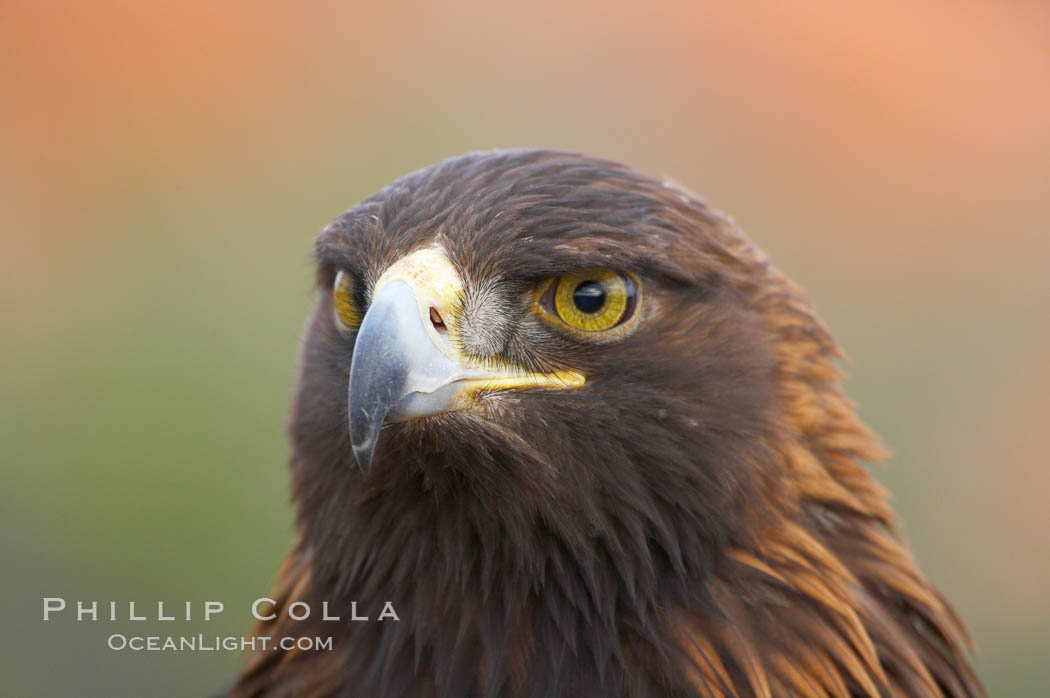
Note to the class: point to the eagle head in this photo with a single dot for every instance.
(587, 440)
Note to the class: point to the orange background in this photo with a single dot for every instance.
(164, 167)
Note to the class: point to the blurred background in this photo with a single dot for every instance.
(164, 167)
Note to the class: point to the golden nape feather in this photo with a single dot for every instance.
(587, 441)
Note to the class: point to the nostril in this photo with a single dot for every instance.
(437, 321)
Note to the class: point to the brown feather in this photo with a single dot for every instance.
(696, 521)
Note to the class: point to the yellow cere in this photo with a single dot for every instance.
(434, 280)
(346, 310)
(604, 317)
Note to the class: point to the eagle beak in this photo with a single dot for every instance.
(407, 363)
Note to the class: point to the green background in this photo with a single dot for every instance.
(164, 168)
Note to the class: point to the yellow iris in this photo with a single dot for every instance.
(592, 301)
(347, 314)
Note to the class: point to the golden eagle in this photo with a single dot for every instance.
(586, 441)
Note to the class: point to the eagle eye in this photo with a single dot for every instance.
(348, 313)
(589, 301)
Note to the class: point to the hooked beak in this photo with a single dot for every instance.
(407, 363)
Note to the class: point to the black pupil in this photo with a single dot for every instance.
(589, 297)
